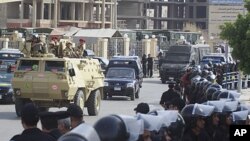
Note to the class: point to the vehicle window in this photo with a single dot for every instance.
(54, 66)
(28, 65)
(6, 78)
(214, 58)
(173, 57)
(120, 73)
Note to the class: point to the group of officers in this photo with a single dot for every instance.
(205, 114)
(39, 47)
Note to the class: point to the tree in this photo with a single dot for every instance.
(238, 36)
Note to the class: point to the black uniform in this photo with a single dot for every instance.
(144, 65)
(150, 66)
(168, 96)
(32, 134)
(191, 136)
(55, 133)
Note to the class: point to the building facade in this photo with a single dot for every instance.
(55, 13)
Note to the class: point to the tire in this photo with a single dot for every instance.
(132, 96)
(79, 99)
(94, 102)
(137, 93)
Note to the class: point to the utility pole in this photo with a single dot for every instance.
(103, 13)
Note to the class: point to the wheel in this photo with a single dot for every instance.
(132, 96)
(79, 99)
(137, 93)
(94, 103)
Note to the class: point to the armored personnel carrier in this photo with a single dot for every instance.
(50, 81)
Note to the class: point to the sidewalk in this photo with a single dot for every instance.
(245, 95)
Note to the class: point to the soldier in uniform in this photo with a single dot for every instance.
(53, 48)
(69, 51)
(29, 120)
(80, 48)
(37, 46)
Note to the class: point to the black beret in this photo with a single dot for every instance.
(142, 108)
(74, 111)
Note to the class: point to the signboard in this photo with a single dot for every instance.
(226, 2)
(219, 14)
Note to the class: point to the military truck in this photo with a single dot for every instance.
(49, 81)
(179, 57)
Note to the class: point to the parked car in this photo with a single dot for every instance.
(121, 81)
(127, 62)
(6, 91)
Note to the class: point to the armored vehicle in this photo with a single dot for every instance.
(49, 81)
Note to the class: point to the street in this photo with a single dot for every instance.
(150, 92)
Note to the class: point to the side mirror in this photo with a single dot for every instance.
(72, 72)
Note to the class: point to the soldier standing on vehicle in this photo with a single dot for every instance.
(69, 51)
(168, 95)
(29, 120)
(144, 65)
(80, 48)
(150, 65)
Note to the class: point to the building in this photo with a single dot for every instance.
(54, 13)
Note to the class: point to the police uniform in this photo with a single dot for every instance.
(32, 134)
(79, 51)
(169, 95)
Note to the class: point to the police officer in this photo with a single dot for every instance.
(142, 108)
(168, 95)
(29, 119)
(75, 114)
(150, 65)
(144, 65)
(80, 48)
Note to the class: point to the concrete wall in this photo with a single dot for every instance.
(3, 15)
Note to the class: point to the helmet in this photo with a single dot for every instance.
(216, 94)
(240, 117)
(230, 106)
(216, 86)
(218, 105)
(226, 95)
(194, 110)
(117, 130)
(209, 92)
(204, 73)
(151, 122)
(82, 132)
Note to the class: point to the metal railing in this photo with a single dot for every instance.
(231, 80)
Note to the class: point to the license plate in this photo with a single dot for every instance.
(0, 96)
(117, 88)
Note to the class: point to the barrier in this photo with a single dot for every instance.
(231, 79)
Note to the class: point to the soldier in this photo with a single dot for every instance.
(29, 120)
(69, 51)
(53, 48)
(37, 46)
(80, 48)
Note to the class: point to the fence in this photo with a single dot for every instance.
(231, 80)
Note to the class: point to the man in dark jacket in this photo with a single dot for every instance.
(169, 95)
(150, 65)
(29, 119)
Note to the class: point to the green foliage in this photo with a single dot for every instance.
(238, 36)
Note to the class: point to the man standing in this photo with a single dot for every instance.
(169, 95)
(150, 65)
(80, 48)
(69, 51)
(29, 119)
(144, 65)
(75, 114)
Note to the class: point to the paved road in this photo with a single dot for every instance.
(151, 92)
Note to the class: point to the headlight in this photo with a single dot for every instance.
(106, 84)
(10, 90)
(130, 85)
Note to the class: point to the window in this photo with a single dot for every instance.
(28, 65)
(10, 55)
(54, 66)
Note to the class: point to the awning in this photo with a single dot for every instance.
(7, 1)
(66, 31)
(98, 33)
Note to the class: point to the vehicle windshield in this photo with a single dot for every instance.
(213, 59)
(120, 73)
(106, 61)
(54, 66)
(6, 77)
(177, 57)
(9, 56)
(28, 65)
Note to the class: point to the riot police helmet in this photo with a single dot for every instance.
(239, 117)
(217, 86)
(194, 110)
(230, 106)
(209, 92)
(216, 94)
(218, 105)
(226, 95)
(111, 128)
(82, 132)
